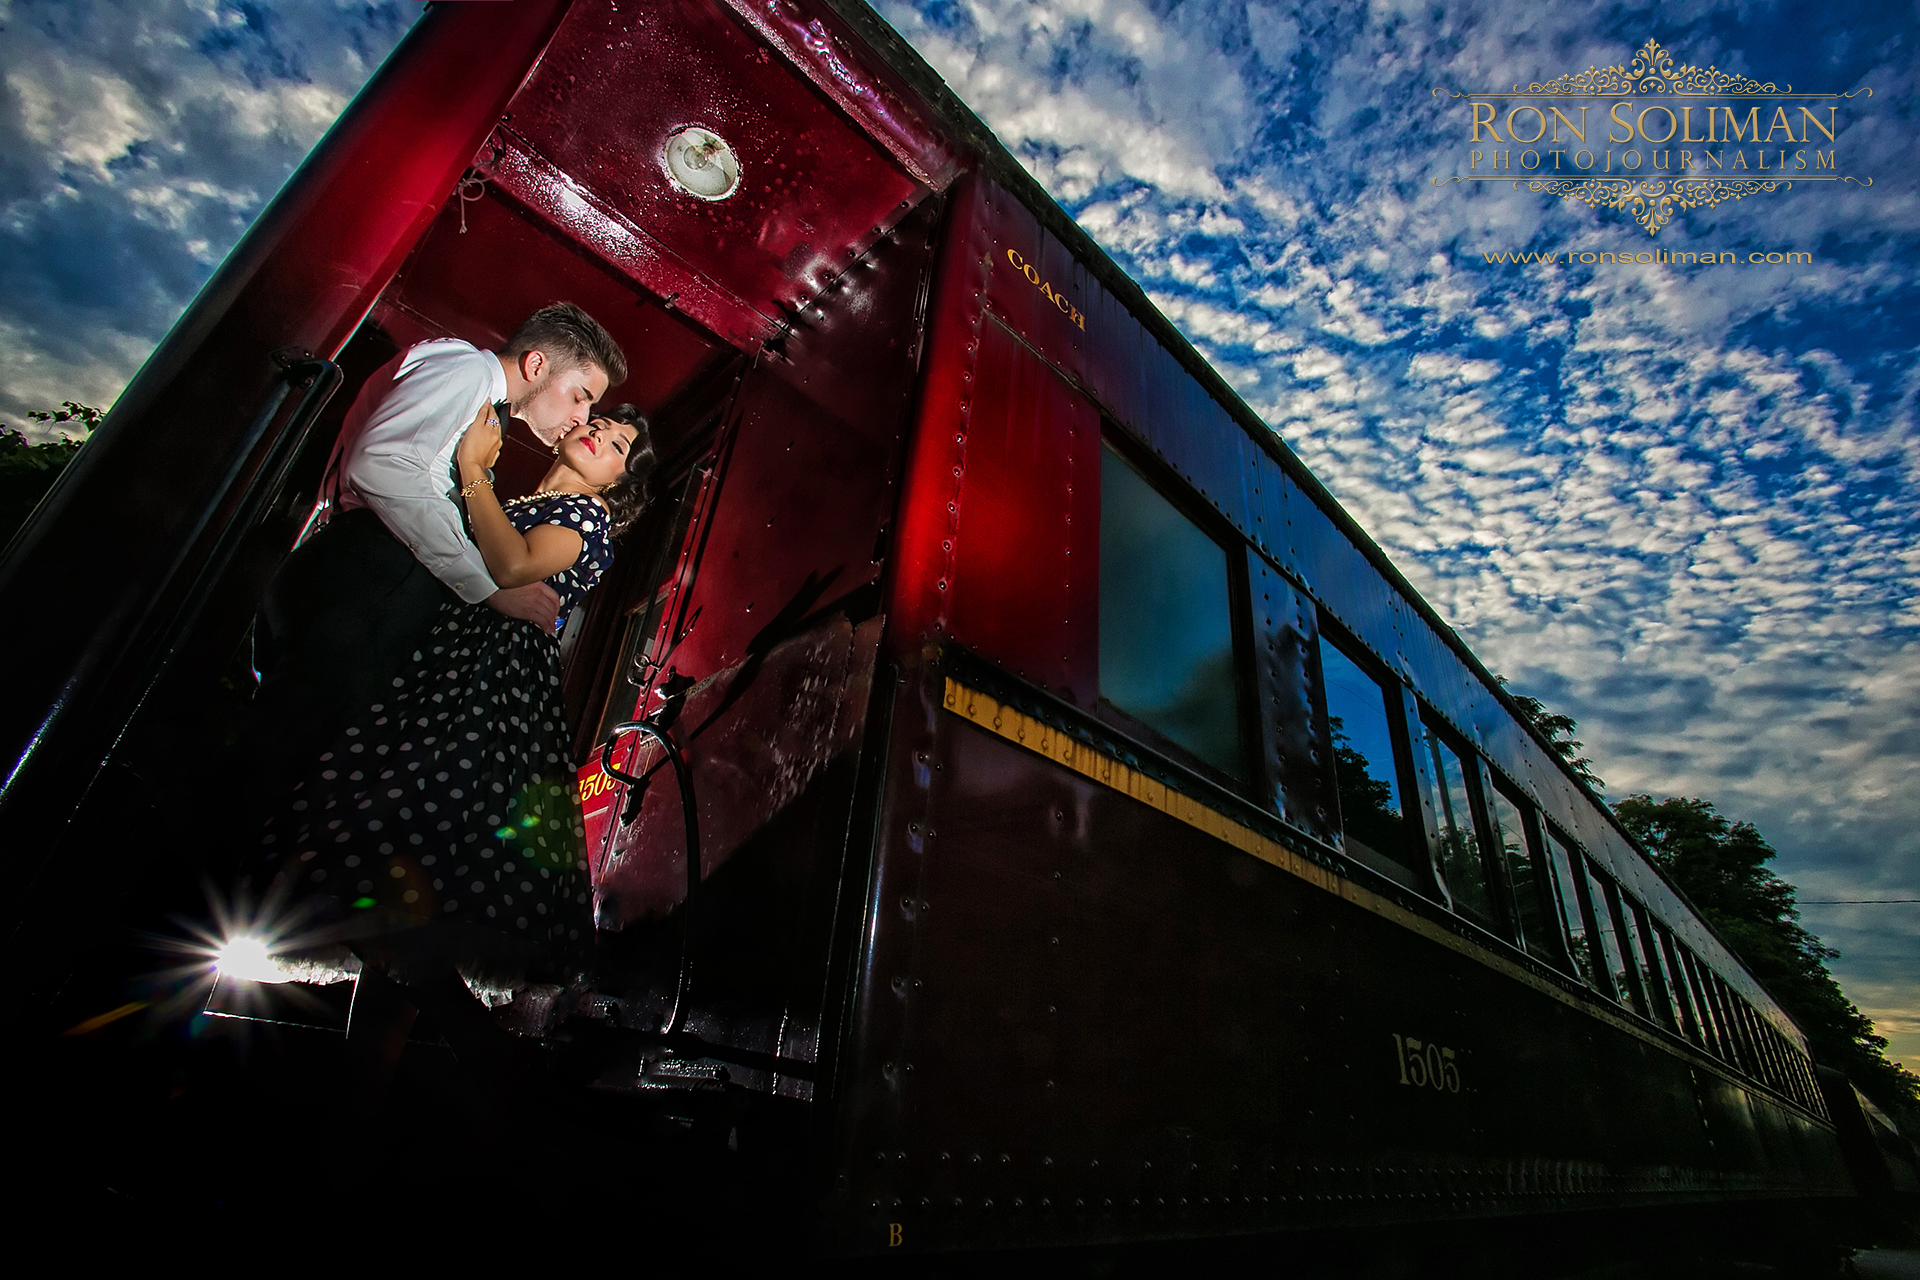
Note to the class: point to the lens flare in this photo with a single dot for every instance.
(248, 958)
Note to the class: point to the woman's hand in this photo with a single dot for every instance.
(480, 446)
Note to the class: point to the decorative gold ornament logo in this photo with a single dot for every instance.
(1513, 147)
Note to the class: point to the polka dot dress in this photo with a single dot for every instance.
(453, 797)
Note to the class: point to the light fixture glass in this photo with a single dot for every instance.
(700, 163)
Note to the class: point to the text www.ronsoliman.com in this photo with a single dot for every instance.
(1753, 257)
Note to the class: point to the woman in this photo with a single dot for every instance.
(439, 837)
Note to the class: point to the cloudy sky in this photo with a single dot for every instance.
(1676, 502)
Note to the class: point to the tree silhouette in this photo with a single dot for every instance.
(1558, 731)
(28, 469)
(1367, 813)
(1721, 867)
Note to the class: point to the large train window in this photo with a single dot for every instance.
(1366, 763)
(1167, 647)
(1462, 852)
(1563, 861)
(1532, 896)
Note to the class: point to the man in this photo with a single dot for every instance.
(361, 595)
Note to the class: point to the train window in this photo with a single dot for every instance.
(1366, 767)
(1776, 1060)
(1579, 954)
(1462, 849)
(1532, 897)
(1646, 956)
(1743, 1031)
(1677, 985)
(1710, 1028)
(1167, 654)
(1611, 964)
(1762, 1046)
(1462, 852)
(1738, 1054)
(1673, 999)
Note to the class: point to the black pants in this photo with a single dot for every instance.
(338, 620)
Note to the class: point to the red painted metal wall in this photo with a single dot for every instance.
(1000, 521)
(582, 143)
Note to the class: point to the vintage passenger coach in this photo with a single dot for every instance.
(1096, 838)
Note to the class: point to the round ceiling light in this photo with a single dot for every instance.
(701, 163)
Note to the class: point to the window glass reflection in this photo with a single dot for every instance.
(1561, 860)
(1613, 963)
(1677, 985)
(1531, 895)
(1653, 971)
(1166, 621)
(1364, 768)
(1461, 861)
(1703, 1005)
(1638, 981)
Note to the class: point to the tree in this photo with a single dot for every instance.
(1558, 731)
(28, 469)
(1721, 867)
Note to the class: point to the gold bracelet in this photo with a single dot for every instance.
(467, 490)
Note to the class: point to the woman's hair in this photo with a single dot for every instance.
(627, 497)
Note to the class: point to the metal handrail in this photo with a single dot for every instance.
(684, 778)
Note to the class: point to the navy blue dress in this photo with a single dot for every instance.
(453, 799)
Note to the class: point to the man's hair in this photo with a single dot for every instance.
(571, 338)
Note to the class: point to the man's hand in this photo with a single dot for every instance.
(536, 602)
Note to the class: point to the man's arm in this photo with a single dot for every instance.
(398, 465)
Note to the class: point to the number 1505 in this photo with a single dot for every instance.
(1426, 1065)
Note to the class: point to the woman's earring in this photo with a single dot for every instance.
(556, 448)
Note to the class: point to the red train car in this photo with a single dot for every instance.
(1097, 839)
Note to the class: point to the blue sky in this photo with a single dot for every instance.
(1676, 502)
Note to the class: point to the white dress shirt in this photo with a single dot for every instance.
(396, 453)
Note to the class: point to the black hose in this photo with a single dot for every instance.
(684, 778)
